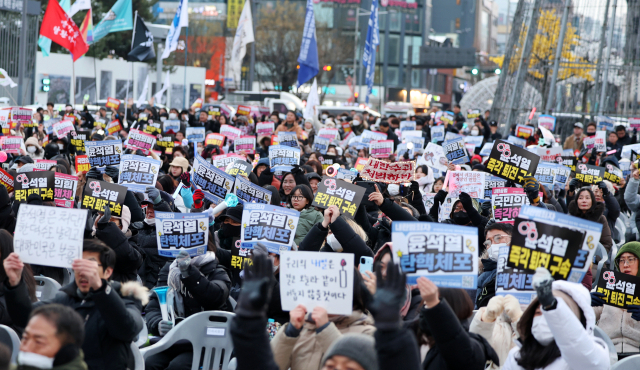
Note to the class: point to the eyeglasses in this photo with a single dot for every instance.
(297, 197)
(497, 239)
(627, 261)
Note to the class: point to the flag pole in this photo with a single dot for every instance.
(73, 83)
(186, 54)
(126, 101)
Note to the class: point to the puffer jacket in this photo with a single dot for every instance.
(595, 214)
(7, 216)
(305, 351)
(128, 259)
(152, 262)
(620, 327)
(308, 218)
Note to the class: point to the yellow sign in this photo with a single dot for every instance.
(234, 8)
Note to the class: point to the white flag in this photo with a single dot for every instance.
(181, 19)
(78, 6)
(312, 101)
(165, 86)
(244, 36)
(143, 95)
(5, 80)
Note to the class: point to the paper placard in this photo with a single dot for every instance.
(230, 132)
(11, 144)
(390, 173)
(38, 182)
(549, 154)
(136, 172)
(524, 131)
(601, 141)
(166, 143)
(340, 193)
(214, 139)
(589, 142)
(434, 157)
(245, 144)
(360, 163)
(546, 174)
(613, 173)
(427, 199)
(246, 191)
(517, 141)
(7, 180)
(82, 164)
(244, 110)
(104, 153)
(113, 103)
(273, 226)
(589, 174)
(327, 279)
(329, 133)
(65, 190)
(511, 162)
(368, 136)
(492, 182)
(78, 138)
(403, 149)
(446, 254)
(98, 194)
(417, 141)
(407, 125)
(476, 141)
(176, 232)
(634, 122)
(140, 140)
(55, 239)
(546, 121)
(239, 167)
(222, 161)
(321, 144)
(447, 117)
(63, 128)
(209, 178)
(283, 158)
(114, 127)
(437, 134)
(507, 203)
(486, 149)
(347, 175)
(195, 134)
(470, 182)
(381, 148)
(605, 123)
(288, 139)
(171, 126)
(455, 151)
(473, 113)
(513, 281)
(265, 128)
(619, 289)
(154, 128)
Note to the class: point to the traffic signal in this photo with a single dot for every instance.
(298, 66)
(326, 68)
(356, 95)
(498, 71)
(474, 71)
(46, 84)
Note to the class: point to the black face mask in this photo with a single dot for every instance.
(591, 133)
(229, 230)
(461, 218)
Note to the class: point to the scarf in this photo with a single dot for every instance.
(175, 281)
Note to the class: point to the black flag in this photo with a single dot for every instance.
(142, 49)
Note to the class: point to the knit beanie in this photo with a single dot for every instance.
(358, 347)
(631, 247)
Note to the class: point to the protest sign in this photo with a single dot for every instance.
(245, 144)
(104, 153)
(63, 128)
(98, 194)
(265, 128)
(427, 199)
(470, 182)
(601, 141)
(417, 141)
(546, 174)
(195, 134)
(56, 238)
(244, 110)
(82, 163)
(136, 172)
(347, 175)
(340, 193)
(589, 142)
(288, 139)
(471, 149)
(605, 123)
(155, 128)
(139, 140)
(625, 167)
(561, 243)
(517, 141)
(21, 116)
(360, 163)
(246, 191)
(11, 144)
(273, 226)
(476, 141)
(327, 279)
(437, 118)
(381, 148)
(450, 136)
(619, 289)
(434, 157)
(473, 113)
(7, 180)
(208, 177)
(437, 134)
(627, 149)
(549, 154)
(512, 163)
(524, 131)
(589, 174)
(513, 281)
(176, 232)
(171, 126)
(321, 144)
(114, 127)
(223, 160)
(447, 117)
(113, 103)
(44, 164)
(78, 138)
(445, 208)
(407, 125)
(329, 133)
(283, 158)
(455, 151)
(100, 123)
(230, 132)
(166, 143)
(368, 136)
(507, 203)
(390, 173)
(404, 149)
(486, 149)
(570, 162)
(546, 121)
(214, 139)
(239, 167)
(446, 254)
(37, 182)
(634, 122)
(562, 177)
(492, 182)
(65, 190)
(613, 173)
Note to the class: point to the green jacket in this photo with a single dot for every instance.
(76, 364)
(308, 218)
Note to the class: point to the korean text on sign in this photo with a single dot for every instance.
(620, 290)
(104, 153)
(513, 281)
(507, 203)
(211, 179)
(136, 172)
(273, 226)
(283, 158)
(65, 190)
(140, 140)
(392, 173)
(249, 192)
(98, 194)
(181, 231)
(589, 174)
(40, 182)
(512, 163)
(381, 148)
(345, 196)
(455, 151)
(446, 254)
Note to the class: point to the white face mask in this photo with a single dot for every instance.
(61, 146)
(494, 250)
(142, 115)
(324, 116)
(475, 132)
(393, 189)
(540, 330)
(150, 221)
(162, 119)
(35, 360)
(184, 117)
(334, 243)
(173, 116)
(200, 149)
(31, 149)
(355, 123)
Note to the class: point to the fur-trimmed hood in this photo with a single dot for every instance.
(593, 214)
(135, 290)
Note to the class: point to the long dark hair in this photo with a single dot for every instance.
(306, 193)
(460, 304)
(359, 295)
(441, 179)
(534, 355)
(6, 248)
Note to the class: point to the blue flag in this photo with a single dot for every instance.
(370, 46)
(308, 58)
(119, 18)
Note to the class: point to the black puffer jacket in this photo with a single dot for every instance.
(595, 214)
(348, 239)
(148, 245)
(207, 290)
(7, 217)
(128, 259)
(112, 321)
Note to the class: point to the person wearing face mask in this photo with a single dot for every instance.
(496, 235)
(34, 150)
(465, 212)
(228, 227)
(574, 142)
(556, 330)
(289, 125)
(52, 340)
(113, 230)
(147, 239)
(51, 150)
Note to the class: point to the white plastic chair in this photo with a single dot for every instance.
(10, 338)
(602, 253)
(46, 288)
(142, 336)
(208, 331)
(629, 363)
(613, 355)
(68, 277)
(137, 356)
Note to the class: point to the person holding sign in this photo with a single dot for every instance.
(621, 325)
(585, 206)
(301, 200)
(556, 330)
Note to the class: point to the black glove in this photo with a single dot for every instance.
(106, 217)
(596, 299)
(562, 193)
(486, 208)
(112, 172)
(542, 281)
(94, 173)
(635, 311)
(466, 201)
(532, 188)
(154, 194)
(573, 184)
(440, 196)
(390, 295)
(256, 290)
(415, 187)
(604, 188)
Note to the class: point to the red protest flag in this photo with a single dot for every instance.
(59, 27)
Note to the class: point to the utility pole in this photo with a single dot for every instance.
(556, 62)
(605, 74)
(252, 60)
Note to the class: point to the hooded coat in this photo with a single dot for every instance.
(595, 214)
(7, 216)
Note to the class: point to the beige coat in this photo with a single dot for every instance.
(620, 327)
(305, 351)
(500, 334)
(572, 143)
